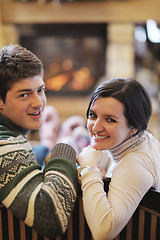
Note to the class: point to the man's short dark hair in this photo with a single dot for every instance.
(17, 63)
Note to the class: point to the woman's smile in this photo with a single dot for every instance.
(107, 124)
(100, 137)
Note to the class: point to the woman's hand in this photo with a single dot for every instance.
(89, 157)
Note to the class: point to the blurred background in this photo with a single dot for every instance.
(83, 43)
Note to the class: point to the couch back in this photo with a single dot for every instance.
(144, 224)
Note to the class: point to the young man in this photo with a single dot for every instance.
(44, 200)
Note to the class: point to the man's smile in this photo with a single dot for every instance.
(35, 114)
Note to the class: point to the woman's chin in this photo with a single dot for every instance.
(98, 146)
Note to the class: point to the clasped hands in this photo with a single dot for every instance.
(93, 158)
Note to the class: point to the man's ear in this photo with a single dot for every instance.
(1, 104)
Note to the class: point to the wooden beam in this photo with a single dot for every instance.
(80, 12)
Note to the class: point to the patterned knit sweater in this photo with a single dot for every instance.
(43, 200)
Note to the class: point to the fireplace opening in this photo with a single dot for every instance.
(73, 55)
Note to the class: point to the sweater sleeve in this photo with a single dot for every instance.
(43, 200)
(108, 215)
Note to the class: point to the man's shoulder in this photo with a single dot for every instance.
(6, 133)
(10, 137)
(12, 142)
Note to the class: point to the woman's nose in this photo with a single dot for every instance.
(98, 126)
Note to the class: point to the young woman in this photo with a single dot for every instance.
(118, 115)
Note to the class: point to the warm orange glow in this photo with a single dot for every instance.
(56, 83)
(67, 65)
(82, 79)
(75, 80)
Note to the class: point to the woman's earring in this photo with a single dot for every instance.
(133, 132)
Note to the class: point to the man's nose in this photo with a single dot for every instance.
(37, 101)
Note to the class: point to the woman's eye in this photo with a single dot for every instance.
(92, 115)
(110, 120)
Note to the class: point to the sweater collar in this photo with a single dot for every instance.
(8, 123)
(119, 151)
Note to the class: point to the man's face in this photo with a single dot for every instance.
(25, 102)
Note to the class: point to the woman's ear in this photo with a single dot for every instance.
(133, 131)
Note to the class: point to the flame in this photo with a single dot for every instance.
(77, 80)
(56, 83)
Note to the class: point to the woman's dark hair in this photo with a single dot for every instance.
(133, 96)
(17, 63)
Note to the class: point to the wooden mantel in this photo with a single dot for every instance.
(15, 12)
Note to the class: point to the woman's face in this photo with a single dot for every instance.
(107, 124)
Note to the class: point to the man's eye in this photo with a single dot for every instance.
(23, 95)
(41, 90)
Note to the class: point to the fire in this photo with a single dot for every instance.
(75, 80)
(56, 83)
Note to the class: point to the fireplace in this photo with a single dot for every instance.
(73, 55)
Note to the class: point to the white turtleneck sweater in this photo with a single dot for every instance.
(137, 169)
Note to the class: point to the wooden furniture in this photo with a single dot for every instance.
(109, 11)
(144, 224)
